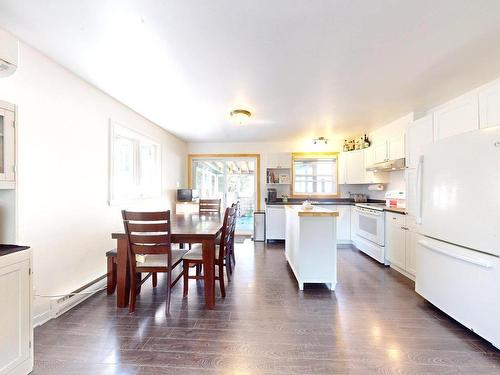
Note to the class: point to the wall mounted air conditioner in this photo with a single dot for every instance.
(9, 50)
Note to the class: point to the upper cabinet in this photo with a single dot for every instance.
(489, 105)
(391, 149)
(418, 134)
(380, 152)
(355, 167)
(456, 117)
(7, 146)
(279, 160)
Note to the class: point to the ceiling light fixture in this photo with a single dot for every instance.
(241, 115)
(320, 139)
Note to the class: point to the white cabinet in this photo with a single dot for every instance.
(411, 191)
(400, 243)
(7, 146)
(355, 167)
(343, 222)
(395, 239)
(341, 169)
(275, 222)
(489, 105)
(279, 160)
(411, 248)
(456, 117)
(16, 335)
(390, 149)
(396, 148)
(419, 134)
(380, 152)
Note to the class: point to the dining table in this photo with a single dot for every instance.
(185, 228)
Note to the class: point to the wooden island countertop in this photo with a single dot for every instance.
(314, 212)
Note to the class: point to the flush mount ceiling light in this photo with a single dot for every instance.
(241, 116)
(320, 140)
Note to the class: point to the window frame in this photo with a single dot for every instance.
(138, 139)
(314, 155)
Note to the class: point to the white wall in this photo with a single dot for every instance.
(63, 145)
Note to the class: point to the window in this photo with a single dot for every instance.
(314, 174)
(135, 171)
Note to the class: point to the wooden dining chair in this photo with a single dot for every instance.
(207, 206)
(150, 250)
(194, 257)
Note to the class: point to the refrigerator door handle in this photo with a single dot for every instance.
(419, 190)
(477, 262)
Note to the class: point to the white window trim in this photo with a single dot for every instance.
(115, 127)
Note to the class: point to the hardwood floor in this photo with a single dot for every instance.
(373, 324)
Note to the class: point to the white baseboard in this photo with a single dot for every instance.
(58, 307)
(42, 318)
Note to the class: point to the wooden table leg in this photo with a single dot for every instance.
(208, 249)
(122, 273)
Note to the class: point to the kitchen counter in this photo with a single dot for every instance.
(10, 249)
(314, 212)
(332, 202)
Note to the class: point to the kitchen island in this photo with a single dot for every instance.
(311, 245)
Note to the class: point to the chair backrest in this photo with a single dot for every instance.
(225, 242)
(209, 206)
(148, 232)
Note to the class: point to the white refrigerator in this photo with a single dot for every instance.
(458, 213)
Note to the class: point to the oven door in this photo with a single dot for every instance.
(370, 225)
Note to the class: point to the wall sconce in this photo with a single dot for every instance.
(319, 140)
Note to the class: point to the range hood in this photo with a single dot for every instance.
(387, 166)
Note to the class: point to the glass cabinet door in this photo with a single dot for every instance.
(7, 145)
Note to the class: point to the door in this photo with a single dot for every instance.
(458, 182)
(380, 152)
(461, 282)
(489, 106)
(371, 225)
(230, 179)
(275, 222)
(15, 319)
(418, 135)
(7, 144)
(396, 148)
(354, 167)
(395, 241)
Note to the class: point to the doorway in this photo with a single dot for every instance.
(230, 178)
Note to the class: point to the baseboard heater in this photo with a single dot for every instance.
(61, 305)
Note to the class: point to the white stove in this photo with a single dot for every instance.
(369, 222)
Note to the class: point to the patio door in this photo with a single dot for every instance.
(231, 179)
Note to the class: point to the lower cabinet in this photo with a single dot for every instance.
(275, 222)
(400, 243)
(16, 332)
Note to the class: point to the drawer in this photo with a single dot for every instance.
(396, 219)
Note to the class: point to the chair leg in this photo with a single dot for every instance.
(221, 280)
(155, 279)
(229, 267)
(185, 271)
(232, 253)
(111, 276)
(169, 289)
(139, 279)
(133, 294)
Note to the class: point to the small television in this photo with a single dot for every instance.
(187, 195)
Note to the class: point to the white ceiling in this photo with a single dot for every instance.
(303, 67)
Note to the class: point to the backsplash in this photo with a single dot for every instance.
(396, 182)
